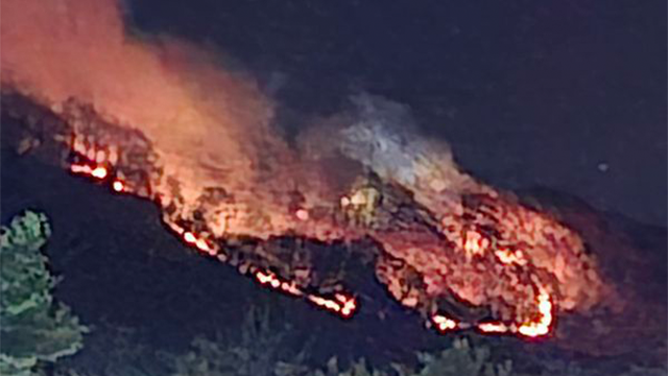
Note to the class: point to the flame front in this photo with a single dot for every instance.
(475, 248)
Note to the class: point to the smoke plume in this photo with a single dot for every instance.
(179, 96)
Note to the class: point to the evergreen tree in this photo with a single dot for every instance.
(34, 329)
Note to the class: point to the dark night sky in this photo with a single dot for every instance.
(570, 94)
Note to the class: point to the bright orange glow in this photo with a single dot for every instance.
(99, 172)
(493, 327)
(271, 280)
(536, 328)
(346, 310)
(342, 304)
(349, 304)
(302, 214)
(444, 323)
(204, 246)
(200, 243)
(542, 325)
(509, 257)
(291, 288)
(118, 186)
(189, 237)
(474, 243)
(80, 169)
(325, 303)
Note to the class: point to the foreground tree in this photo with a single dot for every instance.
(35, 330)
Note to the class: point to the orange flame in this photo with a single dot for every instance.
(534, 328)
(118, 186)
(270, 279)
(444, 323)
(200, 243)
(541, 326)
(344, 305)
(97, 172)
(493, 327)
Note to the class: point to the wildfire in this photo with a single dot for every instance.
(302, 214)
(509, 257)
(444, 323)
(535, 328)
(199, 243)
(271, 280)
(118, 186)
(493, 327)
(342, 304)
(472, 243)
(541, 326)
(97, 172)
(207, 154)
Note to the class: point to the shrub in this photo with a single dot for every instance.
(459, 360)
(257, 349)
(33, 327)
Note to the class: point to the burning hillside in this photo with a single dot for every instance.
(163, 122)
(475, 259)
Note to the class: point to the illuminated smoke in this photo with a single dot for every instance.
(168, 123)
(383, 138)
(172, 92)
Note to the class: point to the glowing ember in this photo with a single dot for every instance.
(349, 304)
(341, 304)
(474, 243)
(344, 305)
(444, 323)
(291, 288)
(302, 214)
(99, 172)
(509, 257)
(118, 186)
(190, 237)
(200, 243)
(542, 325)
(492, 327)
(537, 328)
(270, 279)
